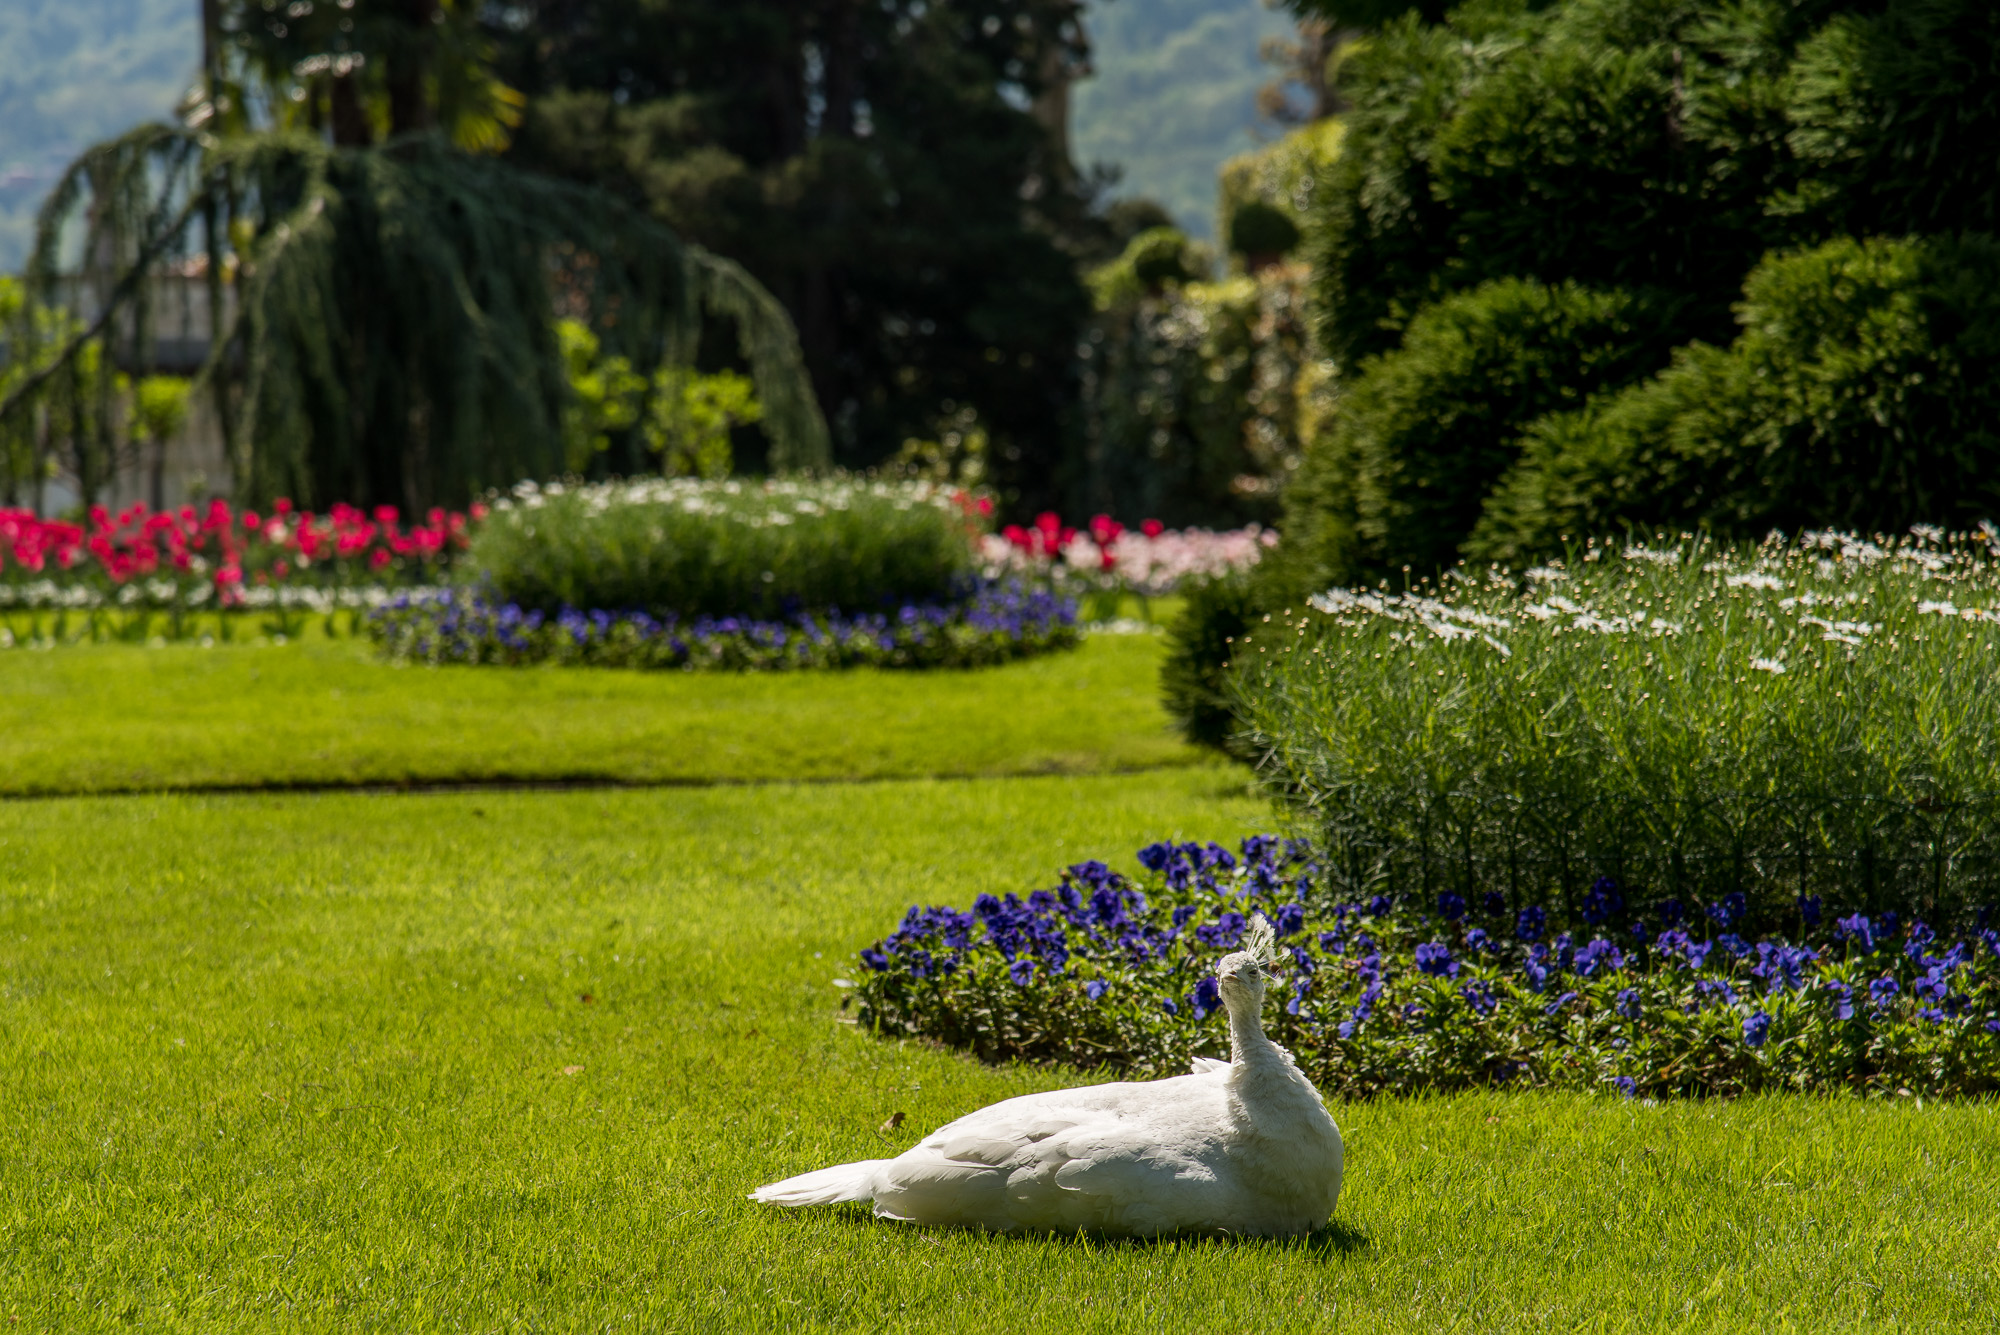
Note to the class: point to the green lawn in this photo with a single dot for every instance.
(124, 718)
(324, 1062)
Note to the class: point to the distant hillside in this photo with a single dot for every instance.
(73, 72)
(1174, 95)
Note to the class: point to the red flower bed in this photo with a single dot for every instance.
(220, 551)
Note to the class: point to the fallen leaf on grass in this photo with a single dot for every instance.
(586, 998)
(895, 1120)
(571, 1070)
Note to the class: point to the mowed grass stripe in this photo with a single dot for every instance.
(302, 1061)
(318, 714)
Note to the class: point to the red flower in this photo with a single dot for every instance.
(1152, 528)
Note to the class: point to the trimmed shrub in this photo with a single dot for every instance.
(1259, 229)
(1193, 674)
(1692, 722)
(1613, 143)
(739, 549)
(1893, 117)
(1423, 433)
(1860, 394)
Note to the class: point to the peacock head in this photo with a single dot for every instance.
(1246, 972)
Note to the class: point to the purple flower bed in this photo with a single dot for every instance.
(1114, 970)
(992, 624)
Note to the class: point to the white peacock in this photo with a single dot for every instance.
(1244, 1146)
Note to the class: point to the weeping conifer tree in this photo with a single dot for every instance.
(380, 319)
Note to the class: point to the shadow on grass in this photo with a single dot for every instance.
(1338, 1238)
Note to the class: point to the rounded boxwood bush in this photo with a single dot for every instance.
(1262, 229)
(1423, 433)
(1193, 673)
(1858, 395)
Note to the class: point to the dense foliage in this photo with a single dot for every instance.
(380, 316)
(725, 549)
(1692, 721)
(1425, 432)
(1859, 394)
(680, 420)
(1384, 997)
(1762, 239)
(990, 623)
(1656, 152)
(80, 430)
(1194, 674)
(894, 173)
(1192, 389)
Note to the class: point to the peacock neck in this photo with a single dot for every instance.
(1247, 1044)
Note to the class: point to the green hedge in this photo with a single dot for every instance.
(735, 548)
(1860, 395)
(1193, 678)
(1423, 433)
(1614, 143)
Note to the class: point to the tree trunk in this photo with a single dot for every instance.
(410, 106)
(841, 54)
(350, 120)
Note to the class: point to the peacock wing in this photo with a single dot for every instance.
(1119, 1157)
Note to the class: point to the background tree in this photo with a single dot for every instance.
(894, 172)
(382, 317)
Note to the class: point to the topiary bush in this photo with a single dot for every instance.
(1193, 673)
(1423, 433)
(1260, 230)
(688, 548)
(1859, 394)
(1892, 116)
(1612, 143)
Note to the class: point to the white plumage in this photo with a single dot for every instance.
(1241, 1147)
